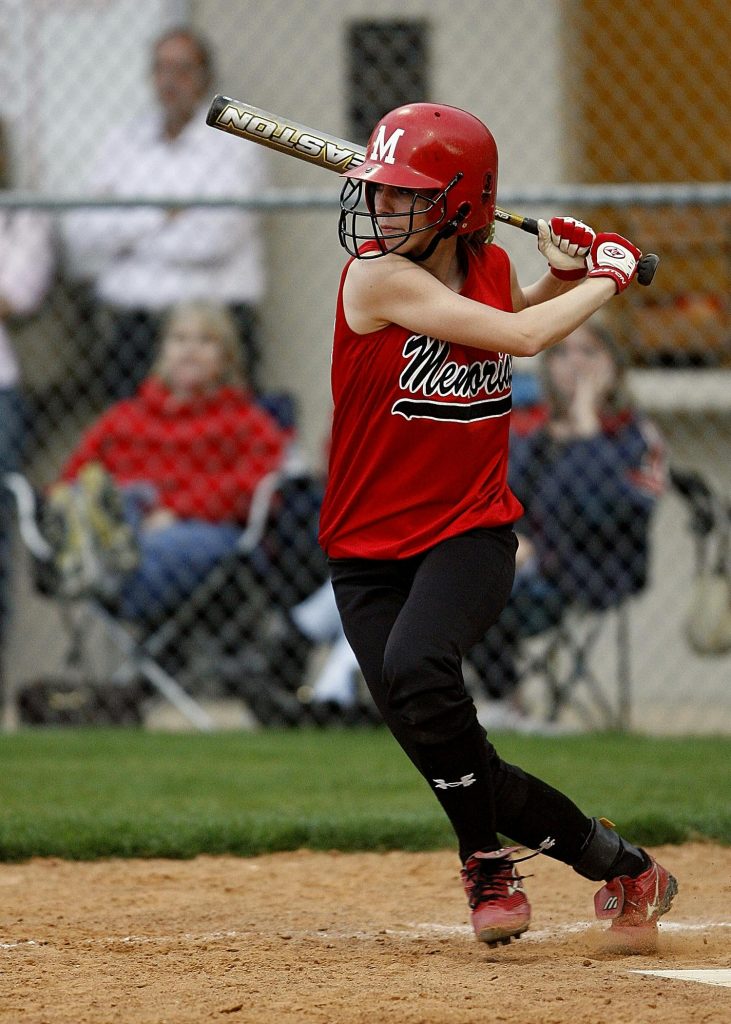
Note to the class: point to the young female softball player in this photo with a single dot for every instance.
(417, 518)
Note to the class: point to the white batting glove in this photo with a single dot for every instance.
(615, 257)
(565, 243)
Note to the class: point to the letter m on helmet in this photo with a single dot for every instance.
(384, 149)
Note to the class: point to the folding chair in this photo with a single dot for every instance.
(141, 652)
(565, 660)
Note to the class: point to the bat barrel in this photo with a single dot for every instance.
(283, 135)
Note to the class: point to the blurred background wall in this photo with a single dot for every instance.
(578, 95)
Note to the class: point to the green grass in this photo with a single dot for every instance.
(84, 794)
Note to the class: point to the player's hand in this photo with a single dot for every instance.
(565, 243)
(615, 257)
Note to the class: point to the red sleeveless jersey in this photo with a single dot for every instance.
(419, 448)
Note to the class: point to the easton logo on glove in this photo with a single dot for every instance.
(615, 257)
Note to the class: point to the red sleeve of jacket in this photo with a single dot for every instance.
(210, 476)
(89, 447)
(220, 484)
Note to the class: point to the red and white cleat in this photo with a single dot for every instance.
(636, 903)
(499, 906)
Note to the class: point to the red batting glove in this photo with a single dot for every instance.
(615, 257)
(565, 243)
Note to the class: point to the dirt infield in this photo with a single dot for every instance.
(329, 937)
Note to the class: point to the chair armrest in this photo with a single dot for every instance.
(27, 510)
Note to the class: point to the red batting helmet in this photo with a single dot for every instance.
(441, 153)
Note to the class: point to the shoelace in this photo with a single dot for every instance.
(490, 884)
(634, 894)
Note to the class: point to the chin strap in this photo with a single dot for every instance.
(449, 229)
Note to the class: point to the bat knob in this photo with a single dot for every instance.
(646, 268)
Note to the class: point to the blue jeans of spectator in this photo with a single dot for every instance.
(13, 435)
(174, 559)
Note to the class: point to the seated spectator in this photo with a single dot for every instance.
(159, 486)
(318, 620)
(139, 262)
(309, 656)
(588, 476)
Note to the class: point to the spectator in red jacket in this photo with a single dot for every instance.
(164, 480)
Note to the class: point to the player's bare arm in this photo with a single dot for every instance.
(544, 289)
(395, 290)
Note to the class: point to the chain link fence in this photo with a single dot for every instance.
(115, 208)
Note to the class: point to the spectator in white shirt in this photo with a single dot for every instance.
(140, 261)
(27, 262)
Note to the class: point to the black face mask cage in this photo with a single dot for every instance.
(357, 226)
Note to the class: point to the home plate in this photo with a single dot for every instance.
(709, 977)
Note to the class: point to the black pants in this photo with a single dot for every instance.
(536, 604)
(410, 622)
